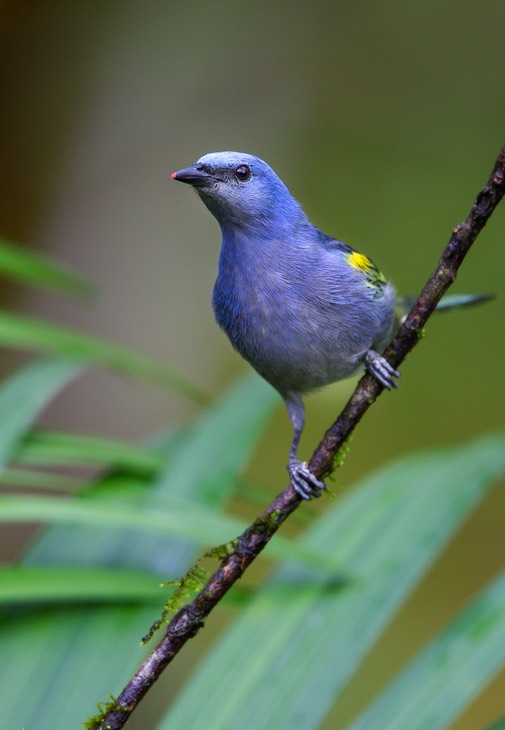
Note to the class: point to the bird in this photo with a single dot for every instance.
(303, 308)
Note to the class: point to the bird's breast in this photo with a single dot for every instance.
(295, 327)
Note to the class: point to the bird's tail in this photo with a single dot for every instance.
(462, 300)
(451, 301)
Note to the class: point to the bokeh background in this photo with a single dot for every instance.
(384, 119)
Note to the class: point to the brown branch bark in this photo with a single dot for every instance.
(188, 621)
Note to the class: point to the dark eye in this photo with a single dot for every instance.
(200, 168)
(243, 173)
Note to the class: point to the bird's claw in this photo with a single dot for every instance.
(303, 481)
(379, 367)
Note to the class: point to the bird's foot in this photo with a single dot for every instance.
(379, 367)
(303, 481)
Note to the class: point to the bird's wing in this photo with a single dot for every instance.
(372, 275)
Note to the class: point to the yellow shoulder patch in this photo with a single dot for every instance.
(374, 278)
(360, 261)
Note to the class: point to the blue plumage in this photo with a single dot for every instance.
(303, 308)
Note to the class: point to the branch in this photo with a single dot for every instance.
(189, 620)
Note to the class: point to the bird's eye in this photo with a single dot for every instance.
(199, 168)
(243, 173)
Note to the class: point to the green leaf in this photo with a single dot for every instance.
(208, 463)
(58, 448)
(73, 657)
(85, 585)
(171, 517)
(176, 518)
(449, 673)
(387, 532)
(24, 395)
(31, 268)
(25, 333)
(38, 480)
(42, 647)
(201, 466)
(29, 585)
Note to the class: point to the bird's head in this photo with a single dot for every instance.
(241, 190)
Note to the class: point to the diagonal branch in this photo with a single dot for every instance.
(189, 620)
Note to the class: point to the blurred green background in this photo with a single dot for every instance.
(383, 118)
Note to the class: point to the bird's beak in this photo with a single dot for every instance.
(192, 176)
